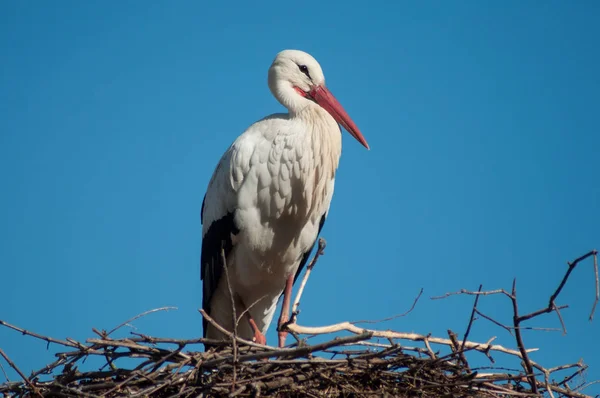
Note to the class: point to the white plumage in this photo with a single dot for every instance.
(268, 198)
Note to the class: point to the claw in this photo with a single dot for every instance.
(285, 311)
(259, 337)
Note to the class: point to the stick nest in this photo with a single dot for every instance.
(356, 366)
(362, 363)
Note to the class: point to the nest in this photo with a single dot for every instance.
(339, 367)
(357, 362)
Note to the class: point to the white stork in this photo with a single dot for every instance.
(268, 199)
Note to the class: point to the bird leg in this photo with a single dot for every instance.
(285, 310)
(259, 337)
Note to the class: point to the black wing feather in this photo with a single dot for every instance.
(307, 254)
(202, 209)
(217, 237)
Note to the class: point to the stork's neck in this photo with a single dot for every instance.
(322, 131)
(287, 96)
(323, 135)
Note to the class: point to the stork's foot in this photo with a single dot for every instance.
(259, 338)
(285, 311)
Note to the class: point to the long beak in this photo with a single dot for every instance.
(327, 101)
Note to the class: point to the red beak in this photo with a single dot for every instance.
(327, 101)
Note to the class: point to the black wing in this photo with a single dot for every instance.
(307, 254)
(217, 237)
(202, 209)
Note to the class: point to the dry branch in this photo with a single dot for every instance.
(320, 251)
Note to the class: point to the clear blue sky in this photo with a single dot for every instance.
(483, 123)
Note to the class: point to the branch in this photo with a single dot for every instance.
(137, 317)
(528, 365)
(470, 293)
(551, 305)
(291, 352)
(527, 362)
(309, 267)
(230, 335)
(48, 340)
(234, 320)
(389, 334)
(394, 316)
(462, 347)
(12, 365)
(597, 285)
(509, 329)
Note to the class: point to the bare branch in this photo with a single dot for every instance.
(309, 267)
(597, 285)
(234, 320)
(4, 372)
(473, 311)
(25, 378)
(137, 317)
(347, 326)
(48, 340)
(551, 305)
(470, 293)
(526, 361)
(509, 329)
(394, 316)
(229, 334)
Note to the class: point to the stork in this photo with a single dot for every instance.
(268, 199)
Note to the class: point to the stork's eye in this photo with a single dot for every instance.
(304, 69)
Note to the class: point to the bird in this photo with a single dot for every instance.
(267, 201)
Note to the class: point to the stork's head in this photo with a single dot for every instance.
(297, 81)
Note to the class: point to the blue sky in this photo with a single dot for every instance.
(483, 123)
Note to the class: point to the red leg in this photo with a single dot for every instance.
(285, 309)
(259, 338)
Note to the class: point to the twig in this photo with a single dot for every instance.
(571, 377)
(505, 327)
(394, 316)
(293, 352)
(347, 326)
(456, 348)
(48, 340)
(139, 316)
(591, 383)
(579, 365)
(309, 267)
(247, 310)
(471, 319)
(234, 320)
(509, 329)
(597, 285)
(12, 365)
(551, 305)
(4, 372)
(428, 346)
(516, 321)
(567, 392)
(470, 293)
(230, 335)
